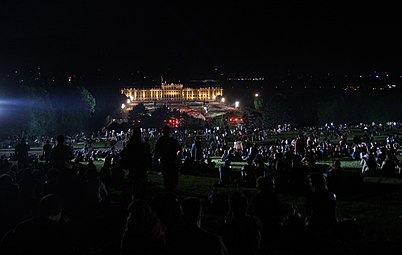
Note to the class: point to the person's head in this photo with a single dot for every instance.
(166, 130)
(318, 182)
(337, 164)
(50, 206)
(136, 133)
(191, 209)
(60, 139)
(140, 212)
(265, 183)
(238, 203)
(6, 180)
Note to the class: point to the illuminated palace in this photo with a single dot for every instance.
(172, 92)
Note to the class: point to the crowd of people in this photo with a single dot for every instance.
(61, 205)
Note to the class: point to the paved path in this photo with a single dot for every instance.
(38, 151)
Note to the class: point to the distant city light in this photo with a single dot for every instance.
(256, 95)
(237, 103)
(128, 101)
(123, 106)
(222, 99)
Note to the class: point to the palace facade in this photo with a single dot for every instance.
(172, 92)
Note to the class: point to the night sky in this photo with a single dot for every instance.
(193, 38)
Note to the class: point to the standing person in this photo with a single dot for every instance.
(167, 150)
(135, 158)
(21, 152)
(61, 155)
(196, 149)
(47, 149)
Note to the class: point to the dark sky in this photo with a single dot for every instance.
(194, 37)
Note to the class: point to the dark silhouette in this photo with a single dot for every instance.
(10, 203)
(21, 153)
(46, 150)
(267, 206)
(144, 233)
(321, 205)
(135, 158)
(61, 155)
(167, 150)
(47, 233)
(388, 165)
(167, 208)
(196, 149)
(241, 233)
(335, 177)
(191, 238)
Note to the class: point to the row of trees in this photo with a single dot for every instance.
(309, 109)
(45, 108)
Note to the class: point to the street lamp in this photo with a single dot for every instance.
(237, 103)
(123, 106)
(256, 95)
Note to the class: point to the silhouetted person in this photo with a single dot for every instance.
(369, 164)
(267, 206)
(191, 238)
(61, 155)
(21, 153)
(321, 205)
(167, 208)
(105, 172)
(46, 150)
(94, 192)
(135, 158)
(248, 174)
(10, 203)
(167, 150)
(388, 165)
(242, 232)
(144, 233)
(45, 234)
(196, 149)
(335, 177)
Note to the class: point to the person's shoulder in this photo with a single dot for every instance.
(207, 235)
(25, 225)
